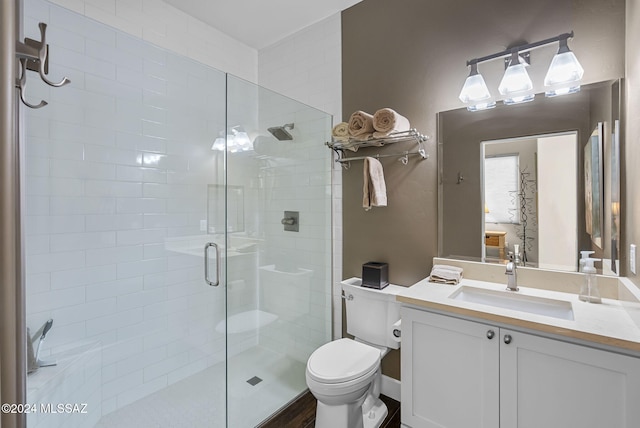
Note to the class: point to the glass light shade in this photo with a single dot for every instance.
(482, 106)
(519, 99)
(242, 141)
(474, 89)
(555, 92)
(219, 144)
(564, 68)
(515, 79)
(237, 141)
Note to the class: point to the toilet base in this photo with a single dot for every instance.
(376, 415)
(351, 415)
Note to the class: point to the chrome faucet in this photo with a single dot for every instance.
(512, 275)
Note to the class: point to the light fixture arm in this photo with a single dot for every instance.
(562, 38)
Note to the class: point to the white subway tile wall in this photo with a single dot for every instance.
(117, 172)
(157, 22)
(307, 66)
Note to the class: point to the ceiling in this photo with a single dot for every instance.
(260, 23)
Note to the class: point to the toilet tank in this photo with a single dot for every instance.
(371, 313)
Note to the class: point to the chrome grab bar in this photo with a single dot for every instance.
(206, 264)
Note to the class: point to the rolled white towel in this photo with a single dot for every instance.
(446, 274)
(386, 121)
(361, 125)
(340, 132)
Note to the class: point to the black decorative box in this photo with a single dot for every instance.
(375, 275)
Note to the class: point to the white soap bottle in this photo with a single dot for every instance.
(589, 291)
(584, 254)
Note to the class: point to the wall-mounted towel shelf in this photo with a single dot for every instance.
(399, 137)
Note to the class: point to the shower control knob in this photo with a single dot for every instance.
(288, 220)
(490, 334)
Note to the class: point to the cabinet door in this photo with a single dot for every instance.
(449, 372)
(553, 384)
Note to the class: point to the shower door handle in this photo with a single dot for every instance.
(206, 264)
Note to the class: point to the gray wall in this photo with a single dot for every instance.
(410, 56)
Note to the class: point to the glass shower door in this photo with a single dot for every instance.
(278, 258)
(123, 193)
(133, 172)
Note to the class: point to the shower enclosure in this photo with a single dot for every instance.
(182, 251)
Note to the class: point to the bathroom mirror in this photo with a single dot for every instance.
(216, 208)
(462, 140)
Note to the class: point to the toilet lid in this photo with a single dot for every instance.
(342, 360)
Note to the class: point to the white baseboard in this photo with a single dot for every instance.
(391, 387)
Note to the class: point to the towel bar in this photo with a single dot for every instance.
(407, 136)
(404, 157)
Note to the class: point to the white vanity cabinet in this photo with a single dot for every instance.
(459, 374)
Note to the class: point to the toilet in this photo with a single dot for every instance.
(344, 375)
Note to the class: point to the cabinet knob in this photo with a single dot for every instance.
(507, 338)
(490, 334)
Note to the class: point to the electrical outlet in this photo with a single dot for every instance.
(632, 258)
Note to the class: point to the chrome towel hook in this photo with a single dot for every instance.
(21, 84)
(43, 54)
(34, 56)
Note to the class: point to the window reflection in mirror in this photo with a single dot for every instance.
(501, 178)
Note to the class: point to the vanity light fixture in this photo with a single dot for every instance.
(563, 76)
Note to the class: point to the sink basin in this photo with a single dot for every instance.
(514, 301)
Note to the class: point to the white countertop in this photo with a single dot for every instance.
(608, 323)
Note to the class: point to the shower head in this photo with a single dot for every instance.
(281, 133)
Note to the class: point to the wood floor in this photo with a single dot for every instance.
(302, 414)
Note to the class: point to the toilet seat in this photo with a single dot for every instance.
(341, 361)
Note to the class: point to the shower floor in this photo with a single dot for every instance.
(199, 400)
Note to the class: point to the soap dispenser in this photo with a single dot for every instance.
(584, 254)
(589, 291)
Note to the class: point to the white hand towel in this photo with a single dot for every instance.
(386, 121)
(446, 274)
(340, 132)
(374, 192)
(361, 125)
